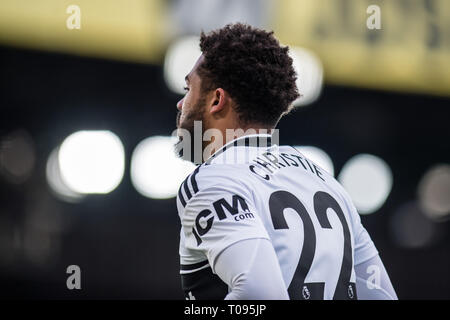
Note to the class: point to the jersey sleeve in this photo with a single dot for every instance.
(218, 216)
(364, 247)
(372, 281)
(251, 270)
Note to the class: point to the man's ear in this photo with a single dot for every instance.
(219, 100)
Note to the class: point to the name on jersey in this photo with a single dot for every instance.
(268, 163)
(205, 219)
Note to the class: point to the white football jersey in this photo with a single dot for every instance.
(251, 188)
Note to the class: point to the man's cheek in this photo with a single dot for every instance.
(185, 111)
(183, 120)
(184, 104)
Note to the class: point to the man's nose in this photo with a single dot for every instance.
(180, 104)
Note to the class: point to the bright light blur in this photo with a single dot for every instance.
(410, 228)
(309, 75)
(92, 161)
(156, 172)
(434, 192)
(55, 181)
(368, 180)
(180, 59)
(17, 156)
(182, 55)
(318, 156)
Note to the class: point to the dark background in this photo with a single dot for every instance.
(127, 245)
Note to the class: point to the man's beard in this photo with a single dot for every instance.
(188, 124)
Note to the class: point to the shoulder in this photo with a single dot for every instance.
(207, 178)
(219, 212)
(208, 185)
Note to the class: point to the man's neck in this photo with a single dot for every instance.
(229, 135)
(232, 134)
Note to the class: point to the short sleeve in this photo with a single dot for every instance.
(218, 216)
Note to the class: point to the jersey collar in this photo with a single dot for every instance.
(246, 141)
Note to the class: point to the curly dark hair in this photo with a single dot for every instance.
(252, 66)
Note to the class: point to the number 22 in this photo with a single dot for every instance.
(298, 289)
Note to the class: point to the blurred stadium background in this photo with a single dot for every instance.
(86, 172)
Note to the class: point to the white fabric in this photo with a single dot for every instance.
(223, 232)
(372, 281)
(236, 178)
(251, 270)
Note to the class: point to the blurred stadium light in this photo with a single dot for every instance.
(92, 161)
(120, 29)
(45, 94)
(434, 192)
(309, 75)
(194, 16)
(39, 238)
(318, 156)
(410, 55)
(56, 182)
(17, 156)
(183, 53)
(368, 180)
(180, 58)
(410, 228)
(156, 172)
